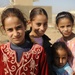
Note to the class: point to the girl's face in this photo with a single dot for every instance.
(65, 27)
(15, 30)
(39, 25)
(60, 57)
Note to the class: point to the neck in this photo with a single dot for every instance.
(69, 37)
(32, 34)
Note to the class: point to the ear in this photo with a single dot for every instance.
(2, 27)
(29, 23)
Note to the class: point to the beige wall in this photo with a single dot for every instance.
(26, 9)
(23, 2)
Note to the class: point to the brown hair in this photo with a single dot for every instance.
(64, 14)
(36, 11)
(13, 12)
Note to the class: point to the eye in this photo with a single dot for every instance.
(61, 26)
(10, 29)
(64, 57)
(45, 24)
(39, 24)
(69, 25)
(18, 27)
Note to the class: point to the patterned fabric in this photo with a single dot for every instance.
(71, 46)
(33, 62)
(66, 70)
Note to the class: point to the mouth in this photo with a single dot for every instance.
(16, 38)
(41, 32)
(66, 33)
(60, 65)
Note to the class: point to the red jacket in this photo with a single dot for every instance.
(33, 62)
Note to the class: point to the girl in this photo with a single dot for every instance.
(60, 59)
(19, 56)
(65, 23)
(38, 24)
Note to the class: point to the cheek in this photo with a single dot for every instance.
(35, 28)
(70, 29)
(56, 61)
(9, 35)
(46, 28)
(60, 30)
(66, 60)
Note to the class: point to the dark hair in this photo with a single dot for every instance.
(36, 11)
(58, 45)
(64, 14)
(13, 12)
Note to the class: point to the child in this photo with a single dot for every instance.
(38, 25)
(65, 23)
(19, 56)
(60, 59)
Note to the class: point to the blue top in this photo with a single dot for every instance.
(66, 70)
(26, 46)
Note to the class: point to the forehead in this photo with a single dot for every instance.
(11, 21)
(64, 20)
(40, 17)
(61, 52)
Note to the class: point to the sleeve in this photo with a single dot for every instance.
(1, 63)
(43, 64)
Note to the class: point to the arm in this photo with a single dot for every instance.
(1, 63)
(43, 64)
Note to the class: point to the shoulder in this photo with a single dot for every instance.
(72, 40)
(38, 48)
(60, 39)
(71, 43)
(4, 46)
(46, 37)
(46, 40)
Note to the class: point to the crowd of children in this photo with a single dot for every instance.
(19, 56)
(29, 52)
(65, 23)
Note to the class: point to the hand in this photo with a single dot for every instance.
(73, 73)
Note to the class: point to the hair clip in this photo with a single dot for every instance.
(60, 16)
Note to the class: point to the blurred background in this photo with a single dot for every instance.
(51, 6)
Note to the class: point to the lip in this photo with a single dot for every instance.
(66, 33)
(41, 32)
(16, 38)
(60, 65)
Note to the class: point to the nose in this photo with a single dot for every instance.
(42, 27)
(15, 32)
(61, 61)
(65, 28)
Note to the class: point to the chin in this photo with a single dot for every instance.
(18, 43)
(41, 35)
(66, 36)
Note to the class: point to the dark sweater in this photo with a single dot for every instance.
(47, 48)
